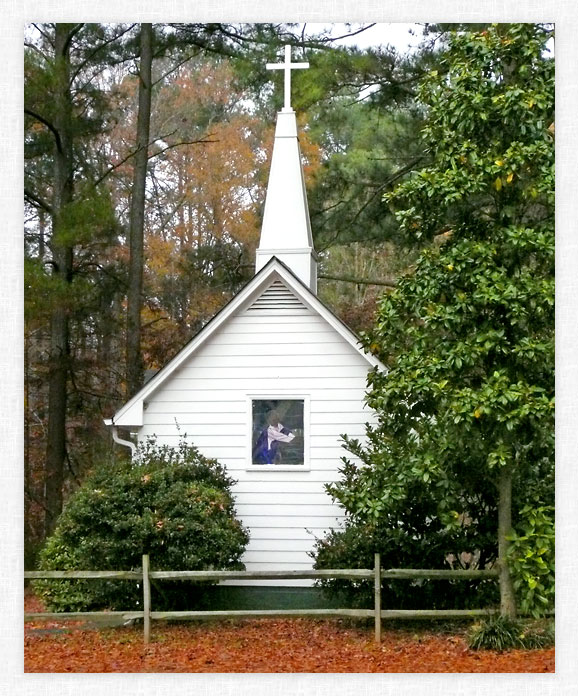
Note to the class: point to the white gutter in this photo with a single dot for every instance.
(117, 439)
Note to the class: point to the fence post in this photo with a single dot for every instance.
(377, 591)
(146, 588)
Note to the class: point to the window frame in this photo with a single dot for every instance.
(279, 395)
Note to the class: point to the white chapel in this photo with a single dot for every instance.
(271, 383)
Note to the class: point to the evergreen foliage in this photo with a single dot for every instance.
(531, 558)
(406, 546)
(212, 116)
(171, 503)
(468, 336)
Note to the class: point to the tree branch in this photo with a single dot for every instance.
(91, 55)
(36, 50)
(40, 203)
(34, 499)
(388, 283)
(43, 33)
(109, 171)
(391, 180)
(49, 125)
(73, 32)
(173, 69)
(71, 469)
(202, 141)
(346, 36)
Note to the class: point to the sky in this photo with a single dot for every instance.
(401, 36)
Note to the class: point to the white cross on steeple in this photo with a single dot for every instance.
(287, 66)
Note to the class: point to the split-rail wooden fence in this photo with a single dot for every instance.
(145, 575)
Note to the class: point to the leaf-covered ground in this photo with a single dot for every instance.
(295, 645)
(264, 645)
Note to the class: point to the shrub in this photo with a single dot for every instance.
(531, 560)
(171, 503)
(354, 547)
(502, 633)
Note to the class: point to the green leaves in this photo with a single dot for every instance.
(531, 559)
(170, 502)
(467, 336)
(490, 110)
(501, 633)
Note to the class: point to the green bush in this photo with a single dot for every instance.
(531, 560)
(354, 546)
(171, 503)
(502, 633)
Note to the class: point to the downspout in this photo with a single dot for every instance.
(119, 440)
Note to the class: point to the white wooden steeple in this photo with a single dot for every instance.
(286, 230)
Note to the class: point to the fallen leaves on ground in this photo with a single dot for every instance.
(260, 645)
(265, 645)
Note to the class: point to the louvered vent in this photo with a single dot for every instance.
(277, 298)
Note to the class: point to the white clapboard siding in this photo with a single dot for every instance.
(329, 386)
(278, 521)
(278, 346)
(231, 430)
(277, 545)
(174, 397)
(290, 359)
(294, 559)
(334, 417)
(283, 377)
(314, 477)
(281, 485)
(333, 430)
(297, 509)
(208, 420)
(325, 469)
(196, 408)
(306, 497)
(275, 350)
(288, 338)
(321, 423)
(306, 564)
(324, 449)
(268, 534)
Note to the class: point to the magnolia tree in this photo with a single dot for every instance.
(464, 441)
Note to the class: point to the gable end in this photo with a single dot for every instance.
(277, 298)
(282, 286)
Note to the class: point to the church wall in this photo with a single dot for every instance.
(292, 351)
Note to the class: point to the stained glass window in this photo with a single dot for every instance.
(277, 432)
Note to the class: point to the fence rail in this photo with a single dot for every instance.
(377, 574)
(338, 573)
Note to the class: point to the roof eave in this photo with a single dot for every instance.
(131, 414)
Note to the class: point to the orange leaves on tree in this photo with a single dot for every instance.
(208, 171)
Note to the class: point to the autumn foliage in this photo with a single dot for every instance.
(272, 645)
(207, 171)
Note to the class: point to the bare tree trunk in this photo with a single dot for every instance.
(27, 465)
(134, 363)
(41, 234)
(62, 258)
(507, 597)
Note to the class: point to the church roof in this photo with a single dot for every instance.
(131, 414)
